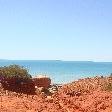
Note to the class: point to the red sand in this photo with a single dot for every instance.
(81, 96)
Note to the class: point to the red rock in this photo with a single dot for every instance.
(42, 81)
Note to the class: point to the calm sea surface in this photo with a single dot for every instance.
(64, 71)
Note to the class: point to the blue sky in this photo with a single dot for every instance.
(56, 29)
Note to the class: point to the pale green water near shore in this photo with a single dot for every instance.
(63, 71)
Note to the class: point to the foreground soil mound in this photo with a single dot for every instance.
(96, 101)
(13, 102)
(85, 95)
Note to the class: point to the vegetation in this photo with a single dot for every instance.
(16, 78)
(107, 87)
(14, 71)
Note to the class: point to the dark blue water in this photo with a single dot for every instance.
(64, 71)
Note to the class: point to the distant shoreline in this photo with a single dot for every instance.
(62, 71)
(57, 60)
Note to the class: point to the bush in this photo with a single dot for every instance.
(16, 78)
(107, 87)
(14, 71)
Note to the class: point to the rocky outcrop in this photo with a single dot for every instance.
(42, 81)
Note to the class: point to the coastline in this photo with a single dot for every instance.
(63, 71)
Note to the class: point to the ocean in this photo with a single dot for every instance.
(63, 71)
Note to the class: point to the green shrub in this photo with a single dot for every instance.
(107, 87)
(14, 71)
(16, 78)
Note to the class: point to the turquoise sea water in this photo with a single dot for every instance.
(63, 71)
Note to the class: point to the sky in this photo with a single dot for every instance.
(79, 30)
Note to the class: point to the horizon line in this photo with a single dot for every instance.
(50, 60)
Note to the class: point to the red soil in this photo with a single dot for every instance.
(87, 95)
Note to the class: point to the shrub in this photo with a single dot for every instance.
(14, 71)
(16, 78)
(107, 87)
